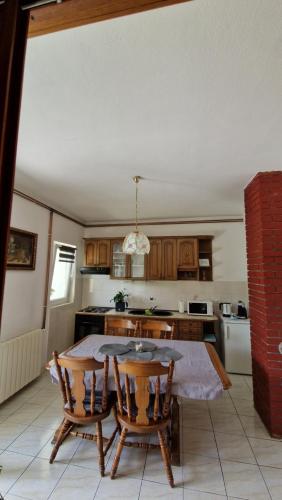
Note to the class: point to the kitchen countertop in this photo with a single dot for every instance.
(175, 315)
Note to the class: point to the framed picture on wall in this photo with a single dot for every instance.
(21, 249)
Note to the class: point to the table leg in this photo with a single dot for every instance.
(175, 432)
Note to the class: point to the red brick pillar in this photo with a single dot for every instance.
(263, 210)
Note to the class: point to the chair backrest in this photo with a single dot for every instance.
(122, 327)
(137, 383)
(157, 330)
(71, 373)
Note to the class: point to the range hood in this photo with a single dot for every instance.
(95, 270)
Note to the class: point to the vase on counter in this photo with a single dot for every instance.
(120, 306)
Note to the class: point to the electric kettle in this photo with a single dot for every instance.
(225, 308)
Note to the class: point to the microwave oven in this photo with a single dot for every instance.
(200, 307)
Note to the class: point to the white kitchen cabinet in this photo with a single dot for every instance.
(236, 343)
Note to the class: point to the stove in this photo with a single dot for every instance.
(95, 309)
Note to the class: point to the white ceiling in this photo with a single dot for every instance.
(187, 96)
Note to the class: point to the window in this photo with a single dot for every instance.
(63, 279)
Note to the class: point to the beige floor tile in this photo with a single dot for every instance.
(74, 480)
(9, 407)
(228, 423)
(199, 495)
(87, 455)
(39, 480)
(237, 380)
(273, 479)
(31, 441)
(267, 452)
(197, 419)
(9, 432)
(155, 469)
(254, 427)
(202, 474)
(132, 462)
(249, 381)
(198, 404)
(42, 399)
(151, 491)
(123, 488)
(14, 465)
(244, 407)
(244, 481)
(199, 442)
(26, 414)
(222, 405)
(241, 393)
(48, 420)
(12, 497)
(233, 447)
(66, 450)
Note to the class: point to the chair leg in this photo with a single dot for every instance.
(100, 448)
(116, 419)
(61, 436)
(118, 453)
(110, 442)
(166, 459)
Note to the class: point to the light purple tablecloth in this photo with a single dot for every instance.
(194, 375)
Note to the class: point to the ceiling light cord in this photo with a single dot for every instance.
(136, 205)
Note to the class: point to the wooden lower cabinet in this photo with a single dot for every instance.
(190, 330)
(184, 329)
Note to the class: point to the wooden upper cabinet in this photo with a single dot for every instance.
(154, 260)
(169, 267)
(187, 253)
(97, 253)
(90, 253)
(104, 253)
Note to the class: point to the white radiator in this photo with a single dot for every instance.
(20, 362)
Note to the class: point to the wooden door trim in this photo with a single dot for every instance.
(74, 13)
(13, 36)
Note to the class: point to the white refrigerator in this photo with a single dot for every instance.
(236, 343)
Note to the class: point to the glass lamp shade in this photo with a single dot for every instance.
(136, 243)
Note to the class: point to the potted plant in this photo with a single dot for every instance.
(120, 300)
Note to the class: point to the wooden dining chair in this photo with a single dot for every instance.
(83, 407)
(121, 327)
(141, 412)
(157, 330)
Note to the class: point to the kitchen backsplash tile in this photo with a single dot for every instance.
(98, 291)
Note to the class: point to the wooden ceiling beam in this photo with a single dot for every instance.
(73, 13)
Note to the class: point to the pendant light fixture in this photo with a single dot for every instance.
(136, 242)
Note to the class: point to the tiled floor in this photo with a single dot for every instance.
(226, 453)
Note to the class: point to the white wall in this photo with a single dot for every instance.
(229, 268)
(61, 318)
(24, 290)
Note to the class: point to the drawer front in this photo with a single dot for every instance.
(190, 330)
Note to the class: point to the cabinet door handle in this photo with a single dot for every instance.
(227, 332)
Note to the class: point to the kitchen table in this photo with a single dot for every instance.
(199, 374)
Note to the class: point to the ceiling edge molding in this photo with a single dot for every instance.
(166, 222)
(47, 207)
(155, 222)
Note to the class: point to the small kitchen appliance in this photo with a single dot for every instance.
(200, 307)
(242, 311)
(225, 308)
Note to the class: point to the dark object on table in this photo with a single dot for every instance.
(141, 412)
(80, 408)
